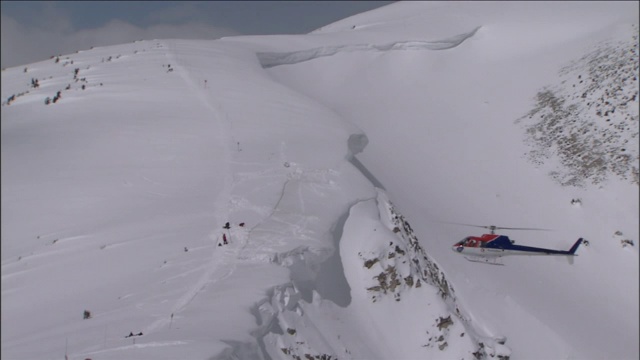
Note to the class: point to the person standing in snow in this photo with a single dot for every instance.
(224, 239)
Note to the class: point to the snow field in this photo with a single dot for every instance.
(114, 198)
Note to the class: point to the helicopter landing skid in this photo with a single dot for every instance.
(485, 260)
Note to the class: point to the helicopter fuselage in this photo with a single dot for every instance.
(492, 245)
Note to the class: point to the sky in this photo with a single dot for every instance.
(35, 30)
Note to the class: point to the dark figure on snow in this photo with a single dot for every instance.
(226, 226)
(224, 239)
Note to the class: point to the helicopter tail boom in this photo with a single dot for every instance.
(572, 252)
(573, 249)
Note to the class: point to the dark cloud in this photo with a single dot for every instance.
(179, 13)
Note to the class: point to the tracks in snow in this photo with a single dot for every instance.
(219, 266)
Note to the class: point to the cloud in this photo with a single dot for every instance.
(178, 13)
(53, 19)
(23, 44)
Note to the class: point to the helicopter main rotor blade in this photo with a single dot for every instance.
(478, 226)
(492, 227)
(535, 229)
(455, 223)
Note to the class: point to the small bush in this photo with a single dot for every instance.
(626, 242)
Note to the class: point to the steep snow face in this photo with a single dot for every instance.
(401, 303)
(448, 141)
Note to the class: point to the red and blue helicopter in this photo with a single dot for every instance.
(488, 248)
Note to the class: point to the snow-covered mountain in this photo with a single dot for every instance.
(338, 159)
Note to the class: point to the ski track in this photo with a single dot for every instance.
(222, 263)
(219, 260)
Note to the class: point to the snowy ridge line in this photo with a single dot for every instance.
(272, 59)
(432, 274)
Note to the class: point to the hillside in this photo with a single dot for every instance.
(336, 158)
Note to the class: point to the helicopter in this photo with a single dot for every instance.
(488, 248)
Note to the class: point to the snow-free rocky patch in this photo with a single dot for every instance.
(590, 120)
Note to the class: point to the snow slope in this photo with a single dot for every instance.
(324, 146)
(448, 150)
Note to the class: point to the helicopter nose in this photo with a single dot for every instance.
(457, 248)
